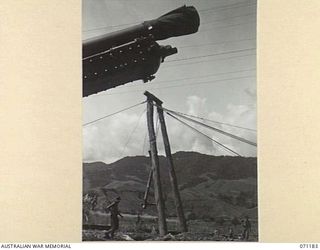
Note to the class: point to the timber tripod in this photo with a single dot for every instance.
(155, 170)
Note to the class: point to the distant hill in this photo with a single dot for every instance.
(210, 186)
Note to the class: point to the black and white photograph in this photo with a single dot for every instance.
(169, 120)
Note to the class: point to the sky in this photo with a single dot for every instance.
(217, 87)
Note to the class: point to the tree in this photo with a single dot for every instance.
(89, 203)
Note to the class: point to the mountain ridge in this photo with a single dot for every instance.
(210, 186)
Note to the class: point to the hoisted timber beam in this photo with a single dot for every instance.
(131, 54)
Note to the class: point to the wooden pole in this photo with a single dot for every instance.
(172, 173)
(145, 198)
(156, 171)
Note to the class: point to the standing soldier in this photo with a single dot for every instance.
(230, 234)
(246, 228)
(114, 212)
(138, 219)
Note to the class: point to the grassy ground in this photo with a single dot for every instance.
(146, 229)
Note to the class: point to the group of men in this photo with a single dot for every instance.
(113, 208)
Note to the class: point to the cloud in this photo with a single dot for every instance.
(111, 139)
(183, 138)
(126, 133)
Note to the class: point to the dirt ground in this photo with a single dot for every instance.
(146, 230)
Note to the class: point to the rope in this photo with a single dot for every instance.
(202, 61)
(183, 85)
(227, 7)
(144, 143)
(215, 43)
(228, 18)
(197, 77)
(130, 136)
(222, 123)
(220, 144)
(209, 55)
(99, 119)
(215, 129)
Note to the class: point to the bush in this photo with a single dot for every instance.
(190, 216)
(235, 221)
(220, 221)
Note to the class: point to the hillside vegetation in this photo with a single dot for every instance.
(212, 187)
